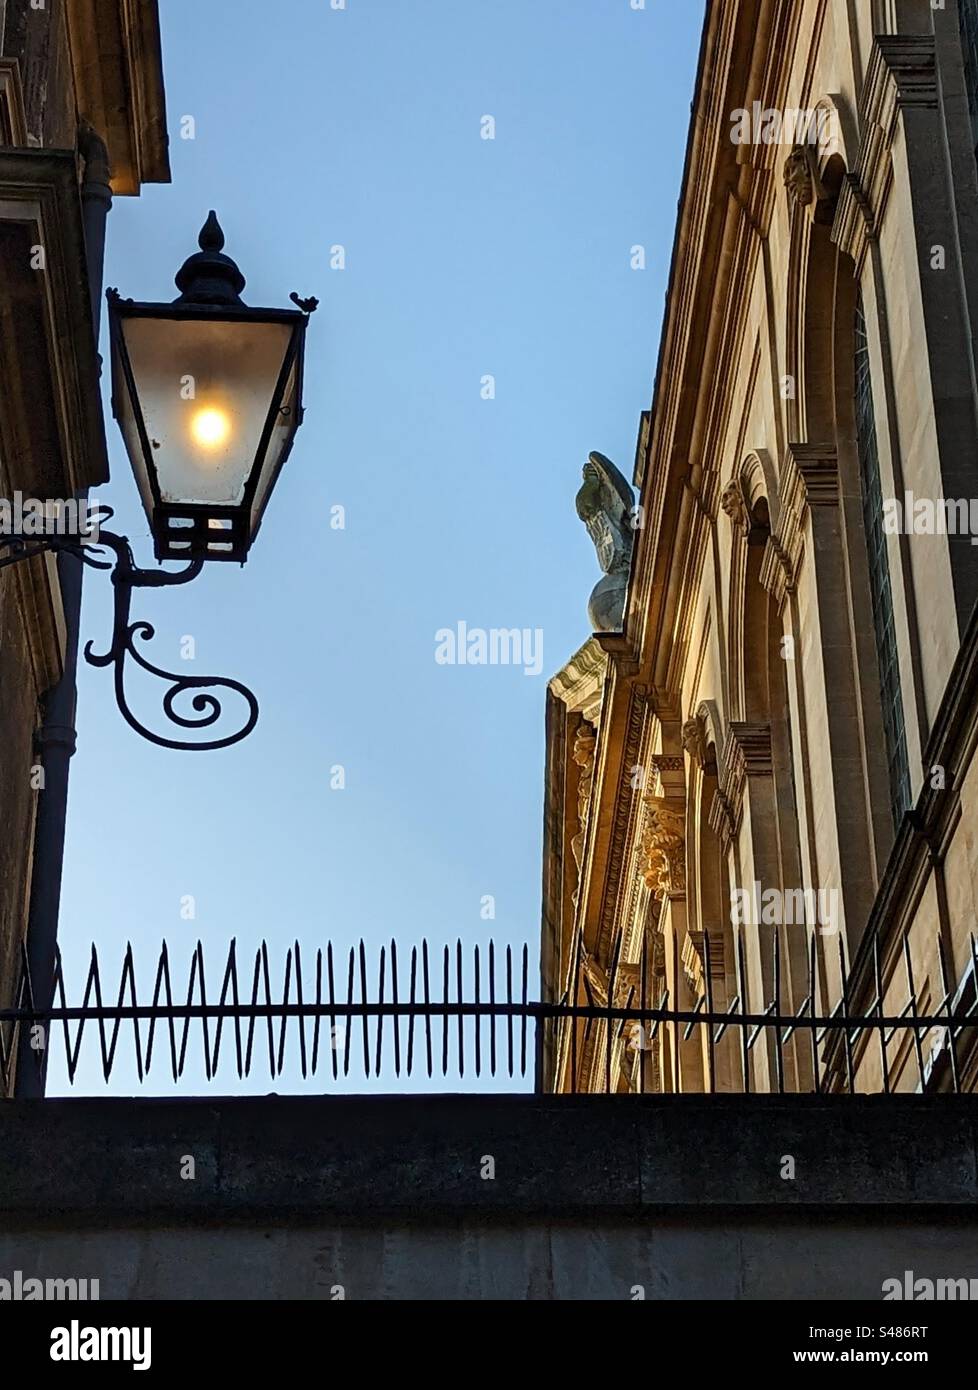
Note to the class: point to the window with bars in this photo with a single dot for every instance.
(968, 16)
(894, 728)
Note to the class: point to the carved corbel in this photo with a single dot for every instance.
(723, 822)
(809, 480)
(664, 845)
(779, 572)
(734, 503)
(694, 740)
(747, 755)
(901, 75)
(694, 959)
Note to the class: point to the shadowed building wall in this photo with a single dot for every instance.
(64, 66)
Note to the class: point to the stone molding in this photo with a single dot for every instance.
(747, 755)
(809, 479)
(694, 959)
(901, 76)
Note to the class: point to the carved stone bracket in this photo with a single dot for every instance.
(734, 502)
(694, 959)
(696, 737)
(747, 755)
(664, 845)
(779, 570)
(809, 479)
(585, 743)
(723, 822)
(628, 981)
(668, 775)
(694, 740)
(901, 76)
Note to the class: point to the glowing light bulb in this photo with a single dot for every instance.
(210, 427)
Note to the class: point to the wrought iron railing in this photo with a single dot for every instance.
(466, 1014)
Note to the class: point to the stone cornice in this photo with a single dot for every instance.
(809, 478)
(902, 76)
(902, 73)
(747, 755)
(118, 70)
(579, 684)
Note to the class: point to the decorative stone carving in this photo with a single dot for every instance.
(694, 959)
(809, 480)
(723, 822)
(734, 503)
(605, 503)
(748, 754)
(799, 178)
(664, 846)
(585, 744)
(779, 571)
(694, 740)
(628, 981)
(901, 74)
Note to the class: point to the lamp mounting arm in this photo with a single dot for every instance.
(127, 576)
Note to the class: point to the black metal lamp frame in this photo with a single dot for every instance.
(127, 576)
(210, 284)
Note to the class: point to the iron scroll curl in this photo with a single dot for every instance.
(207, 704)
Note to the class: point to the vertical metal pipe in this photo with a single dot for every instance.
(56, 738)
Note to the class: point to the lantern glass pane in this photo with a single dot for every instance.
(205, 388)
(283, 429)
(126, 416)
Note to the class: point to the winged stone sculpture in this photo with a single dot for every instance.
(605, 504)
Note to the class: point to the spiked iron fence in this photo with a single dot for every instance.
(458, 1013)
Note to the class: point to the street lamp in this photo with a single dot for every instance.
(208, 396)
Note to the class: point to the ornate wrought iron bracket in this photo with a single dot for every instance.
(127, 576)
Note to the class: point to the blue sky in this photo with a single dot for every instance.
(465, 258)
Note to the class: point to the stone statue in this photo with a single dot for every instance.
(605, 504)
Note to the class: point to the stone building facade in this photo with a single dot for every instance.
(763, 789)
(78, 78)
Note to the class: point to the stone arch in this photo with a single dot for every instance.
(821, 528)
(747, 502)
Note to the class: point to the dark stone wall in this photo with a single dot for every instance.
(586, 1198)
(18, 720)
(38, 39)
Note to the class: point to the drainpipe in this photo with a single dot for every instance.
(55, 740)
